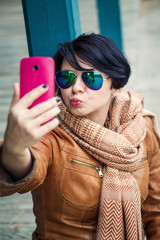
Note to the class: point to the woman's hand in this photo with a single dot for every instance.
(25, 127)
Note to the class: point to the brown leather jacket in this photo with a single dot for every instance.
(65, 185)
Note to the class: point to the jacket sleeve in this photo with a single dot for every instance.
(151, 206)
(41, 154)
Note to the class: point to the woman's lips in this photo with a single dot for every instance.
(75, 101)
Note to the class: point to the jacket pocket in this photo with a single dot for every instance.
(80, 181)
(96, 168)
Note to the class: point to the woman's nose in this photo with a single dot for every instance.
(78, 85)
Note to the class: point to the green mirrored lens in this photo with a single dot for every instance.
(65, 79)
(92, 80)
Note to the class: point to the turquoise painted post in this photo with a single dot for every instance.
(48, 23)
(110, 20)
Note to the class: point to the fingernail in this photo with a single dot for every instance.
(58, 99)
(45, 86)
(59, 106)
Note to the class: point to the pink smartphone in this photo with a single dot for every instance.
(35, 71)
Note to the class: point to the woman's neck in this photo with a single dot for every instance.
(99, 116)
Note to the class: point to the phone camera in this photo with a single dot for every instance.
(35, 67)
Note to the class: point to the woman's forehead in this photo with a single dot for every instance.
(82, 63)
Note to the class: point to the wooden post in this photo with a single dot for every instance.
(109, 20)
(49, 22)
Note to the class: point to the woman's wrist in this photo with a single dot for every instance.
(16, 164)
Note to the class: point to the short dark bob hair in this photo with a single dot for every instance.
(100, 53)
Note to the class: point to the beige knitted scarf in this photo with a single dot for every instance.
(119, 147)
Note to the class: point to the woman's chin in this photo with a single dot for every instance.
(77, 112)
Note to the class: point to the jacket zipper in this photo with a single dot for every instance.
(88, 165)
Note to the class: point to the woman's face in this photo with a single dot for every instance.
(84, 102)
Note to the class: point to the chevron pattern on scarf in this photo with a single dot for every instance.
(111, 220)
(112, 225)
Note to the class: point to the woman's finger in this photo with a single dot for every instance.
(44, 129)
(16, 94)
(45, 117)
(27, 100)
(44, 107)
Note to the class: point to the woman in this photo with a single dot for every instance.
(97, 174)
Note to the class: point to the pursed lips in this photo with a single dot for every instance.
(75, 101)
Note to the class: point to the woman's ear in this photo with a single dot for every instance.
(58, 92)
(116, 91)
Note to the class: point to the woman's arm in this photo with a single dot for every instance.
(25, 127)
(151, 206)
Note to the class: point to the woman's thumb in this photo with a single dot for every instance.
(16, 93)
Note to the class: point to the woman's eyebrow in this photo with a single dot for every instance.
(76, 70)
(66, 69)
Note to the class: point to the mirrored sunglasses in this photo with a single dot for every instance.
(92, 80)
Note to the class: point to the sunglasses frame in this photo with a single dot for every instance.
(76, 74)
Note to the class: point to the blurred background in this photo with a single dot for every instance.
(141, 44)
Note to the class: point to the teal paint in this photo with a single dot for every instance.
(48, 23)
(110, 20)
